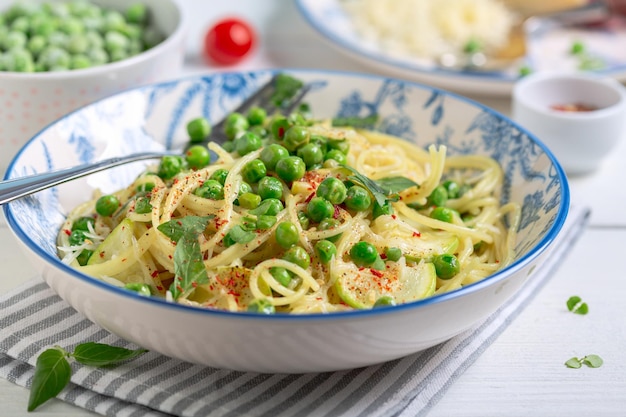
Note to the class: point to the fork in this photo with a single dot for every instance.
(20, 187)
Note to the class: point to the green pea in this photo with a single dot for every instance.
(84, 256)
(295, 137)
(170, 166)
(143, 206)
(36, 44)
(333, 190)
(261, 306)
(220, 175)
(258, 130)
(320, 141)
(198, 129)
(244, 188)
(384, 301)
(139, 288)
(270, 187)
(14, 40)
(279, 126)
(113, 20)
(270, 155)
(246, 143)
(311, 154)
(19, 60)
(197, 156)
(80, 62)
(107, 205)
(393, 254)
(304, 220)
(136, 13)
(384, 210)
(249, 200)
(210, 189)
(98, 56)
(270, 207)
(337, 156)
(253, 171)
(145, 187)
(438, 197)
(325, 250)
(452, 188)
(286, 234)
(363, 254)
(319, 209)
(358, 198)
(118, 55)
(342, 145)
(265, 222)
(83, 223)
(299, 256)
(77, 237)
(20, 24)
(443, 214)
(235, 124)
(446, 265)
(256, 116)
(282, 275)
(228, 146)
(329, 224)
(72, 26)
(291, 168)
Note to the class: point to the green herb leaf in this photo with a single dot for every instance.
(239, 235)
(285, 88)
(575, 305)
(573, 363)
(188, 261)
(379, 193)
(188, 265)
(100, 354)
(175, 229)
(593, 361)
(52, 374)
(395, 184)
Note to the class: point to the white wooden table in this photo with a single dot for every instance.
(522, 372)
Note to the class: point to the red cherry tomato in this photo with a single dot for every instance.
(228, 41)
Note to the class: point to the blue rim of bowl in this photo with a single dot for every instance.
(537, 250)
(492, 77)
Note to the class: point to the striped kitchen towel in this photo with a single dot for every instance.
(33, 318)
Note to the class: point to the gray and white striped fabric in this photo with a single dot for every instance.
(33, 318)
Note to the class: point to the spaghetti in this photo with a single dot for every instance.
(373, 221)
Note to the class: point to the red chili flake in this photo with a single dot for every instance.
(67, 232)
(336, 213)
(179, 288)
(383, 256)
(160, 288)
(194, 284)
(393, 216)
(309, 198)
(101, 254)
(169, 256)
(205, 256)
(175, 180)
(417, 234)
(361, 268)
(377, 273)
(124, 259)
(154, 274)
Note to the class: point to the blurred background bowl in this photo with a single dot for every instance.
(155, 116)
(30, 101)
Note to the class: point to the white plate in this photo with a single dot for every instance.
(546, 52)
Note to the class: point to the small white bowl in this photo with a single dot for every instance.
(580, 139)
(31, 101)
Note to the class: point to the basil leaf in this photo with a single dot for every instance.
(379, 193)
(175, 229)
(593, 361)
(188, 265)
(575, 305)
(395, 184)
(52, 374)
(573, 363)
(100, 354)
(285, 87)
(239, 235)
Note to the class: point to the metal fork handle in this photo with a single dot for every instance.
(20, 187)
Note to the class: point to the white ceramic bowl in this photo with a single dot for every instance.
(580, 140)
(156, 114)
(30, 101)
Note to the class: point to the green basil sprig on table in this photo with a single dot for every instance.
(575, 305)
(592, 361)
(53, 370)
(188, 261)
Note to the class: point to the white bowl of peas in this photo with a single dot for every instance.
(59, 55)
(382, 218)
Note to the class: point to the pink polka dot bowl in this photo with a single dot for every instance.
(31, 101)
